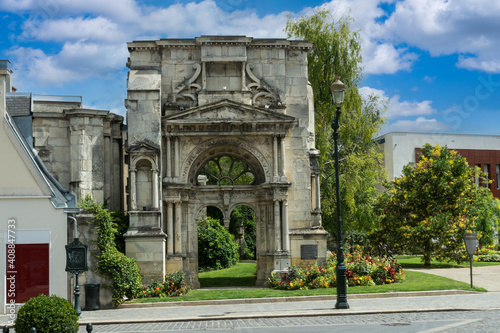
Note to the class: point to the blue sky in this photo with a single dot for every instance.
(435, 61)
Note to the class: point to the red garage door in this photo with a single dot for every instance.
(30, 272)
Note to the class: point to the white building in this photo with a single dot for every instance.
(33, 217)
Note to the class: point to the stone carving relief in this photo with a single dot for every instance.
(185, 95)
(264, 94)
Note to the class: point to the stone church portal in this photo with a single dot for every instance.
(221, 121)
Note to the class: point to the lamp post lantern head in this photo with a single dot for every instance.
(337, 89)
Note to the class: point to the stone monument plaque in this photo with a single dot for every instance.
(309, 251)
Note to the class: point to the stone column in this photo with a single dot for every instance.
(317, 192)
(168, 165)
(313, 192)
(176, 158)
(133, 190)
(277, 226)
(286, 238)
(275, 158)
(178, 229)
(282, 158)
(156, 204)
(170, 228)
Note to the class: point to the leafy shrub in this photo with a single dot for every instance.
(247, 216)
(48, 314)
(173, 285)
(123, 270)
(362, 270)
(216, 246)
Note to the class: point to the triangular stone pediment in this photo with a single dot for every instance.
(144, 147)
(227, 111)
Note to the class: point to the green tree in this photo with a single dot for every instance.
(429, 208)
(337, 51)
(216, 246)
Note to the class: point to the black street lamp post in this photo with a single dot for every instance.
(338, 89)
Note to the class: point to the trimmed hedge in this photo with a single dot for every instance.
(48, 314)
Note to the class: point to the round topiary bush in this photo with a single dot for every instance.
(216, 246)
(48, 314)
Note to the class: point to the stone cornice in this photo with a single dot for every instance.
(219, 40)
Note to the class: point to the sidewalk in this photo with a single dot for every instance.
(486, 277)
(308, 306)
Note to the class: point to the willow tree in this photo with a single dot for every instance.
(337, 51)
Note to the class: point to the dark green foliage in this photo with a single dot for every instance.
(216, 246)
(122, 224)
(121, 269)
(247, 216)
(48, 314)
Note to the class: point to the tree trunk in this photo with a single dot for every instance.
(427, 253)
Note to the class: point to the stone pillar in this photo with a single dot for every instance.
(313, 191)
(155, 202)
(282, 159)
(178, 231)
(286, 237)
(170, 228)
(275, 158)
(168, 165)
(277, 226)
(176, 158)
(133, 190)
(317, 193)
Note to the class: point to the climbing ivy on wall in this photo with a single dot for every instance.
(121, 269)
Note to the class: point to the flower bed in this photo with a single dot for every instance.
(362, 270)
(487, 253)
(172, 286)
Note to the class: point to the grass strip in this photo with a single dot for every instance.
(415, 281)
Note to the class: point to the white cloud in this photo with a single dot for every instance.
(74, 29)
(397, 108)
(448, 27)
(420, 124)
(75, 62)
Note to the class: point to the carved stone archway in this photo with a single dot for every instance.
(214, 97)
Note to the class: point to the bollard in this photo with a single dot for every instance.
(33, 330)
(89, 327)
(5, 329)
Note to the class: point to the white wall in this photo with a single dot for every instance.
(399, 148)
(36, 219)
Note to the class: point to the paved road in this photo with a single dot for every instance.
(450, 321)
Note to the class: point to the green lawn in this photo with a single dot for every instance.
(239, 275)
(415, 281)
(416, 262)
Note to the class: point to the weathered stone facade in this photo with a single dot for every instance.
(82, 148)
(190, 101)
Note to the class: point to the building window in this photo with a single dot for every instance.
(227, 170)
(498, 176)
